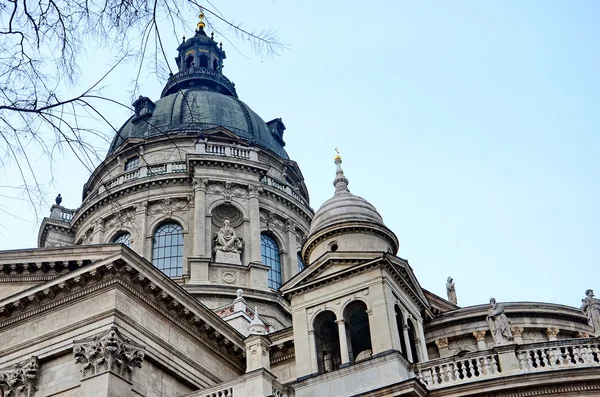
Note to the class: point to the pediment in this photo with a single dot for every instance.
(222, 134)
(328, 269)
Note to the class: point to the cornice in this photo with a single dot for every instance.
(140, 279)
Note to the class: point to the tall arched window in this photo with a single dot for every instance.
(300, 263)
(412, 340)
(400, 326)
(203, 61)
(123, 238)
(358, 332)
(327, 341)
(167, 249)
(270, 256)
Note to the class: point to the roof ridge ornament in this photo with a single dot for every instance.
(340, 182)
(201, 24)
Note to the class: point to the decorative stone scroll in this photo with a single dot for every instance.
(108, 352)
(21, 379)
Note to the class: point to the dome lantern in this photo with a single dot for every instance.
(200, 64)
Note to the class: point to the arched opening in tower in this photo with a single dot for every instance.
(327, 341)
(358, 332)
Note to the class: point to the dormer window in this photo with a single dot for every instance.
(132, 163)
(143, 107)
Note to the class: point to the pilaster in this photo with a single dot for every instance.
(139, 240)
(254, 214)
(199, 229)
(480, 339)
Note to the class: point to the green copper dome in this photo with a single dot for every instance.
(193, 110)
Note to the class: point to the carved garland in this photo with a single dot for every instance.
(108, 352)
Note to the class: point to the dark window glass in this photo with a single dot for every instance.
(270, 257)
(132, 163)
(300, 263)
(123, 238)
(167, 249)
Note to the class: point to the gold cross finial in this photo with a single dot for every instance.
(337, 156)
(201, 24)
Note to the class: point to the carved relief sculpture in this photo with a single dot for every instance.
(109, 351)
(20, 380)
(591, 308)
(451, 290)
(498, 323)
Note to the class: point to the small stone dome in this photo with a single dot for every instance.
(343, 218)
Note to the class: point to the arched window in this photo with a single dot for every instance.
(203, 61)
(300, 263)
(358, 332)
(270, 256)
(215, 64)
(327, 342)
(412, 340)
(400, 326)
(167, 249)
(189, 62)
(123, 238)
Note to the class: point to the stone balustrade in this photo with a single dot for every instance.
(283, 187)
(561, 354)
(61, 213)
(468, 368)
(227, 392)
(225, 150)
(143, 172)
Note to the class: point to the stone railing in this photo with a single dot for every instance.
(143, 172)
(283, 187)
(225, 150)
(454, 370)
(61, 213)
(227, 392)
(560, 354)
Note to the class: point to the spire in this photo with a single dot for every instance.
(201, 24)
(340, 182)
(257, 327)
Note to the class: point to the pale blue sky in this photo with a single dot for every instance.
(473, 127)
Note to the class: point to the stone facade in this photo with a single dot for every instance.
(250, 293)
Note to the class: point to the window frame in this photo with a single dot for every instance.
(271, 258)
(162, 255)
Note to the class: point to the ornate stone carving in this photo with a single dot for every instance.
(591, 308)
(227, 211)
(87, 236)
(169, 205)
(227, 189)
(229, 277)
(451, 290)
(100, 223)
(109, 351)
(254, 190)
(121, 218)
(271, 220)
(552, 333)
(479, 335)
(498, 323)
(582, 335)
(21, 379)
(200, 184)
(517, 332)
(141, 208)
(442, 343)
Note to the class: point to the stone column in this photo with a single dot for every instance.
(442, 345)
(421, 341)
(291, 267)
(254, 237)
(139, 242)
(480, 338)
(200, 216)
(407, 342)
(517, 333)
(552, 333)
(99, 238)
(312, 345)
(343, 342)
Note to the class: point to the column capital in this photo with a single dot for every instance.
(442, 343)
(517, 332)
(552, 332)
(21, 379)
(200, 184)
(479, 335)
(254, 190)
(340, 321)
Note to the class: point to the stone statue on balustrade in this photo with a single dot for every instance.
(591, 308)
(498, 323)
(228, 246)
(451, 290)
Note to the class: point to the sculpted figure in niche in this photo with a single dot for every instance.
(451, 290)
(227, 240)
(591, 308)
(498, 323)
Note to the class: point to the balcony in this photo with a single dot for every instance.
(142, 172)
(521, 359)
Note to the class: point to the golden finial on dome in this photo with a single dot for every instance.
(201, 24)
(337, 156)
